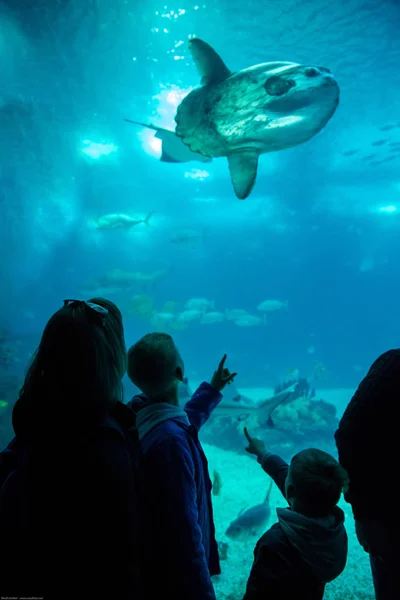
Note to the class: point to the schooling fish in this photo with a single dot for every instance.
(251, 522)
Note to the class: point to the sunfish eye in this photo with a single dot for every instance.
(277, 86)
(311, 72)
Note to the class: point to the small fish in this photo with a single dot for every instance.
(162, 320)
(173, 149)
(350, 152)
(120, 221)
(235, 313)
(223, 548)
(272, 305)
(319, 370)
(212, 317)
(387, 128)
(251, 522)
(379, 142)
(248, 321)
(188, 316)
(217, 483)
(164, 316)
(201, 304)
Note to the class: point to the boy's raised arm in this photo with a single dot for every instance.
(272, 464)
(208, 395)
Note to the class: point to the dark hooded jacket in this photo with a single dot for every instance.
(298, 555)
(181, 550)
(366, 439)
(70, 511)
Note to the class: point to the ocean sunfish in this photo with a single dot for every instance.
(264, 108)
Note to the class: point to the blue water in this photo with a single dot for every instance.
(311, 232)
(320, 229)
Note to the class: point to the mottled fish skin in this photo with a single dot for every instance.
(238, 112)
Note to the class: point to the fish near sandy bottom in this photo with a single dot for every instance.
(251, 522)
(264, 108)
(216, 483)
(239, 406)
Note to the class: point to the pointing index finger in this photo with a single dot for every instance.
(246, 433)
(222, 362)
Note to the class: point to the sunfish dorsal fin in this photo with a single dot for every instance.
(209, 64)
(243, 167)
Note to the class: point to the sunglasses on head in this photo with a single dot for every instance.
(101, 311)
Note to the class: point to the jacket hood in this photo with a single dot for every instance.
(151, 414)
(321, 542)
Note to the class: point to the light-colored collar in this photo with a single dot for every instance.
(156, 413)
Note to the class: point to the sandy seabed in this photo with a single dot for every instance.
(245, 484)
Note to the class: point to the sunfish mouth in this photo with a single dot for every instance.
(288, 105)
(305, 98)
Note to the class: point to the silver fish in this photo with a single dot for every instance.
(251, 522)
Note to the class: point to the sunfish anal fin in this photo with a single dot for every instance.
(165, 157)
(243, 167)
(209, 64)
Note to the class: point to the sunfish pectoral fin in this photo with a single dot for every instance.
(174, 150)
(209, 64)
(243, 167)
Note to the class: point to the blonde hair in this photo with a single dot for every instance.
(152, 364)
